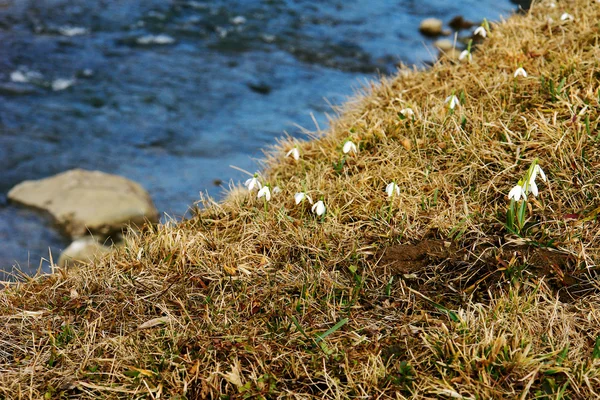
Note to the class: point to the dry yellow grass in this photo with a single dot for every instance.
(426, 296)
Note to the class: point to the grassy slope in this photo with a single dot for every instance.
(431, 298)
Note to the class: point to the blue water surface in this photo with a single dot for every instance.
(171, 93)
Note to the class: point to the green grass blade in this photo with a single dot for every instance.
(331, 330)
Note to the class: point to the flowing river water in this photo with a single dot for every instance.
(170, 93)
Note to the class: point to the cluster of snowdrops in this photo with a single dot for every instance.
(515, 217)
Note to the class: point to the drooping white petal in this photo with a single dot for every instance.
(318, 208)
(276, 190)
(266, 192)
(465, 54)
(520, 71)
(452, 100)
(391, 188)
(533, 187)
(516, 193)
(480, 31)
(294, 153)
(298, 197)
(541, 172)
(566, 17)
(349, 146)
(252, 183)
(407, 112)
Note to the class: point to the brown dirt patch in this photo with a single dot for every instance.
(444, 271)
(411, 258)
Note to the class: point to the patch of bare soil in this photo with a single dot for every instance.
(449, 275)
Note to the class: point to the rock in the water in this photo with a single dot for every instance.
(82, 251)
(458, 23)
(444, 44)
(431, 27)
(84, 202)
(260, 87)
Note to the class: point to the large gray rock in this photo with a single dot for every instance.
(84, 202)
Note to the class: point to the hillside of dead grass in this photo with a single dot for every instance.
(425, 294)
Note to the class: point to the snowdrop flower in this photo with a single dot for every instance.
(266, 192)
(537, 170)
(407, 112)
(294, 153)
(319, 208)
(480, 31)
(453, 101)
(465, 54)
(533, 188)
(253, 183)
(349, 146)
(276, 190)
(391, 188)
(516, 193)
(299, 197)
(520, 71)
(552, 5)
(566, 17)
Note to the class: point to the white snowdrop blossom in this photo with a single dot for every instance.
(299, 197)
(516, 193)
(276, 190)
(480, 31)
(253, 183)
(349, 146)
(465, 54)
(391, 188)
(407, 112)
(566, 17)
(319, 208)
(520, 71)
(533, 188)
(540, 171)
(294, 153)
(452, 101)
(537, 170)
(266, 192)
